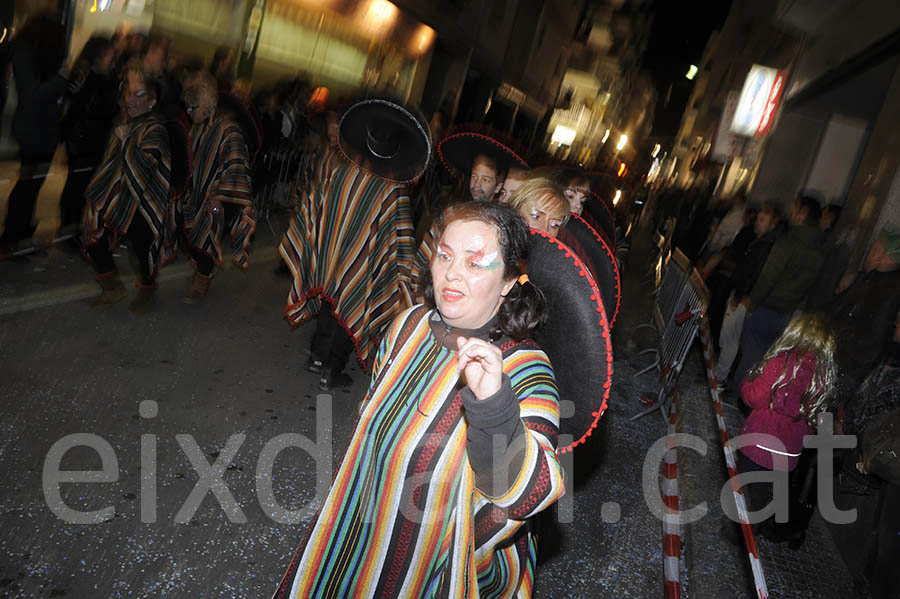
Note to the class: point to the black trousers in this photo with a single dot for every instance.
(330, 343)
(23, 197)
(140, 239)
(205, 263)
(71, 202)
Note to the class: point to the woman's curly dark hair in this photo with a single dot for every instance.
(524, 309)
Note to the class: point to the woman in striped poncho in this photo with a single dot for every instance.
(455, 448)
(218, 196)
(129, 192)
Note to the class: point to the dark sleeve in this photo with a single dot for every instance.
(33, 89)
(775, 263)
(496, 415)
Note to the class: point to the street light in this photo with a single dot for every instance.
(622, 141)
(692, 72)
(655, 151)
(605, 137)
(617, 197)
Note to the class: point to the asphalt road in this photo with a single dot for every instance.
(222, 381)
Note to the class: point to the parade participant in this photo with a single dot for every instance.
(514, 179)
(349, 247)
(425, 502)
(542, 204)
(219, 195)
(486, 160)
(577, 187)
(129, 194)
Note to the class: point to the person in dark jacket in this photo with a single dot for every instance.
(790, 270)
(94, 106)
(739, 281)
(39, 53)
(864, 314)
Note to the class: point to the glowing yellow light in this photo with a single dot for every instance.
(563, 136)
(622, 141)
(379, 15)
(423, 38)
(692, 72)
(93, 7)
(622, 170)
(617, 197)
(3, 37)
(605, 137)
(655, 151)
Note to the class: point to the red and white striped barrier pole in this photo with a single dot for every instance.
(672, 520)
(759, 578)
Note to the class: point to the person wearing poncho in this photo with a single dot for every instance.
(455, 447)
(218, 196)
(349, 247)
(129, 193)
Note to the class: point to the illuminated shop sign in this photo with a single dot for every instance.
(758, 101)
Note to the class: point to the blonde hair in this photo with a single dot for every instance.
(805, 334)
(201, 87)
(541, 193)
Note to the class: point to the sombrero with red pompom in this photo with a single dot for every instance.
(459, 149)
(576, 336)
(601, 261)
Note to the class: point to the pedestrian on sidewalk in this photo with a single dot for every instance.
(455, 447)
(128, 197)
(93, 108)
(791, 269)
(38, 61)
(732, 282)
(219, 197)
(786, 391)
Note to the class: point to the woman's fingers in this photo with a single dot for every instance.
(474, 349)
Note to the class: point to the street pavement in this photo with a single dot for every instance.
(215, 385)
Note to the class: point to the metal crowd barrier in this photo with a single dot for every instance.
(287, 169)
(669, 295)
(678, 335)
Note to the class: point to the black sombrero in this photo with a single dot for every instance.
(247, 119)
(576, 336)
(601, 213)
(459, 149)
(602, 262)
(386, 138)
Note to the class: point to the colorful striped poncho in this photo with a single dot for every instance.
(404, 517)
(133, 177)
(350, 243)
(221, 174)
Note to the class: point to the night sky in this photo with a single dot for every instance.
(677, 40)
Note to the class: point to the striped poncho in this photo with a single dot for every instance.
(404, 517)
(350, 243)
(221, 174)
(133, 178)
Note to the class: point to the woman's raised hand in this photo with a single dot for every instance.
(482, 364)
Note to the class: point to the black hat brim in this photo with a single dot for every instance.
(603, 264)
(458, 151)
(602, 213)
(408, 125)
(576, 336)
